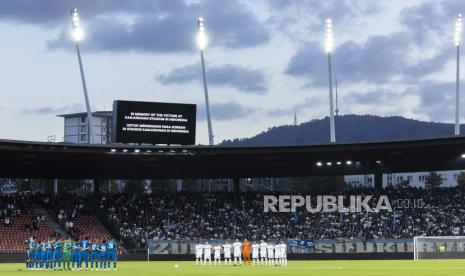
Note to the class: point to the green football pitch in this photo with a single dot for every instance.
(294, 268)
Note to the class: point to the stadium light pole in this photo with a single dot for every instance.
(457, 38)
(329, 49)
(337, 106)
(77, 37)
(202, 43)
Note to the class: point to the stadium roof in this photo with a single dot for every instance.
(58, 160)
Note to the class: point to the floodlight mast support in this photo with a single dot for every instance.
(337, 107)
(458, 33)
(457, 95)
(329, 46)
(331, 105)
(76, 37)
(201, 40)
(207, 102)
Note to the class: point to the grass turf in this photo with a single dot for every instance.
(294, 268)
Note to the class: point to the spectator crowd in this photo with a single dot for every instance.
(200, 216)
(66, 209)
(194, 216)
(13, 205)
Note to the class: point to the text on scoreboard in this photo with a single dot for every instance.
(154, 123)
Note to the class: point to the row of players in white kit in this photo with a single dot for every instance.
(262, 254)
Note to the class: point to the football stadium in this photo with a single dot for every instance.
(172, 144)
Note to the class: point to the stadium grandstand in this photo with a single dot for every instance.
(19, 222)
(225, 216)
(170, 216)
(76, 217)
(126, 194)
(23, 216)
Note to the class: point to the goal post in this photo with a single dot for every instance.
(446, 247)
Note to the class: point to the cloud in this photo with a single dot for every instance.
(47, 110)
(146, 35)
(52, 13)
(297, 19)
(436, 99)
(427, 66)
(306, 103)
(309, 62)
(242, 78)
(181, 75)
(330, 8)
(432, 19)
(167, 28)
(373, 97)
(408, 55)
(224, 111)
(379, 59)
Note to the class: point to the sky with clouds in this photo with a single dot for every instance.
(265, 60)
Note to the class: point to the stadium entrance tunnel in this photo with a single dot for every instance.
(20, 159)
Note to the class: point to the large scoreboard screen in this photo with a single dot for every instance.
(154, 123)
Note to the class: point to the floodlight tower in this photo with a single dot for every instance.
(202, 43)
(78, 34)
(329, 49)
(337, 106)
(458, 35)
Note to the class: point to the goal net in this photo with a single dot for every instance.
(439, 247)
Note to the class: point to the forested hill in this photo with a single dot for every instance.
(349, 128)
